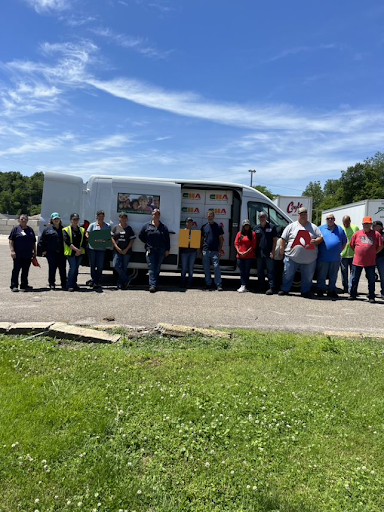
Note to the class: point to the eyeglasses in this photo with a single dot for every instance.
(330, 218)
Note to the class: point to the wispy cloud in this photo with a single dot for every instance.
(138, 44)
(38, 145)
(47, 6)
(302, 49)
(106, 143)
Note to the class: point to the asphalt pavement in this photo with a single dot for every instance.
(192, 307)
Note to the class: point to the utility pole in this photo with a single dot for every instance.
(252, 171)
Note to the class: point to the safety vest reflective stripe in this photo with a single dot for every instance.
(67, 249)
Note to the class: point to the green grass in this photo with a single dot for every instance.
(261, 422)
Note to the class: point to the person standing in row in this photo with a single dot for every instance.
(22, 243)
(96, 254)
(51, 246)
(299, 243)
(328, 260)
(366, 243)
(188, 257)
(245, 243)
(75, 242)
(347, 253)
(155, 236)
(265, 253)
(378, 226)
(123, 238)
(212, 239)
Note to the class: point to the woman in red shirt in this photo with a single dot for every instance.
(245, 243)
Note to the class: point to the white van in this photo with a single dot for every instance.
(177, 199)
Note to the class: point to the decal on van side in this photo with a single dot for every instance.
(137, 203)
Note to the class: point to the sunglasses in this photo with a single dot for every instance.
(330, 218)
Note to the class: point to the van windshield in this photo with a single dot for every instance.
(274, 217)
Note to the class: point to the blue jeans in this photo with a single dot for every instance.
(290, 269)
(328, 269)
(187, 263)
(74, 264)
(120, 264)
(262, 264)
(208, 257)
(370, 275)
(380, 268)
(346, 263)
(245, 270)
(154, 261)
(96, 262)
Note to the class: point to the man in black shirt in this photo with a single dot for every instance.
(212, 239)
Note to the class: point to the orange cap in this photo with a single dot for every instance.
(367, 220)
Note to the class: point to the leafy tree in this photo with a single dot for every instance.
(315, 190)
(264, 190)
(20, 194)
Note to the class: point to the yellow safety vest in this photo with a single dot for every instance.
(67, 249)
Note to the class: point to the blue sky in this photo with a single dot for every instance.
(203, 89)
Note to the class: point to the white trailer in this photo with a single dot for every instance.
(368, 208)
(291, 204)
(177, 199)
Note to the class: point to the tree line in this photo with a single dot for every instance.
(21, 194)
(359, 182)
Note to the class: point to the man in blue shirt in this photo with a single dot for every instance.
(328, 261)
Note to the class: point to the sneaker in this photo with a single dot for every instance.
(26, 288)
(152, 289)
(125, 285)
(242, 289)
(282, 292)
(372, 301)
(52, 286)
(89, 283)
(15, 289)
(269, 292)
(219, 288)
(95, 286)
(208, 286)
(71, 289)
(320, 293)
(332, 295)
(307, 295)
(345, 289)
(351, 297)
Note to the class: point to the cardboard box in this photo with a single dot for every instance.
(193, 210)
(193, 242)
(192, 195)
(224, 223)
(219, 197)
(221, 212)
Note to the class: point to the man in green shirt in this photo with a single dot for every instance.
(348, 253)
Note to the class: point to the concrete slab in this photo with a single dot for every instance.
(73, 332)
(4, 326)
(29, 327)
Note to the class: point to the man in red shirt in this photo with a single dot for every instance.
(366, 243)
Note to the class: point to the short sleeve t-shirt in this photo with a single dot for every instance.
(265, 236)
(298, 247)
(330, 248)
(348, 252)
(94, 227)
(23, 241)
(210, 234)
(123, 236)
(365, 246)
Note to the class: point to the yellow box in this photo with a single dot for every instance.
(193, 242)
